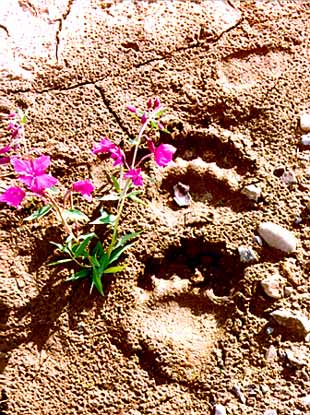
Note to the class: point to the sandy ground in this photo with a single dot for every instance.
(188, 325)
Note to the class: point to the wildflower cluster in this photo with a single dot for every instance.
(32, 180)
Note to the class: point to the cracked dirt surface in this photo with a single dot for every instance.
(235, 78)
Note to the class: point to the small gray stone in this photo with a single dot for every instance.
(305, 140)
(219, 410)
(270, 412)
(246, 254)
(273, 286)
(305, 400)
(296, 322)
(277, 237)
(289, 177)
(252, 192)
(238, 393)
(305, 122)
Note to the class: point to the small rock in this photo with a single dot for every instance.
(264, 388)
(305, 140)
(197, 277)
(295, 358)
(288, 291)
(296, 322)
(257, 239)
(289, 177)
(238, 393)
(305, 122)
(273, 286)
(181, 195)
(271, 354)
(219, 410)
(270, 412)
(305, 400)
(277, 237)
(252, 192)
(269, 330)
(246, 254)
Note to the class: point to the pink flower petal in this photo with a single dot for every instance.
(85, 187)
(135, 176)
(22, 166)
(105, 146)
(164, 154)
(41, 164)
(117, 156)
(13, 196)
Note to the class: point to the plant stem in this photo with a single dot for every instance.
(122, 198)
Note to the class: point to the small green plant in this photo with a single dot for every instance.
(91, 258)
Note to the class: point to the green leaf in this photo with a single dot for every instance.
(127, 237)
(116, 184)
(94, 261)
(136, 199)
(154, 124)
(116, 253)
(114, 270)
(98, 250)
(60, 261)
(161, 112)
(82, 273)
(96, 279)
(105, 218)
(80, 251)
(44, 210)
(74, 214)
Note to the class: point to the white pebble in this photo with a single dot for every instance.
(252, 192)
(219, 410)
(277, 237)
(305, 122)
(305, 139)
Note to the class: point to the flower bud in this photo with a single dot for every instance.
(132, 108)
(150, 103)
(144, 118)
(156, 103)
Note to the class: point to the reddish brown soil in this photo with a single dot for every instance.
(235, 78)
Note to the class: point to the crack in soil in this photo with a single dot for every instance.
(60, 23)
(5, 29)
(113, 113)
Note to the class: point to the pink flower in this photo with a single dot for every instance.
(32, 173)
(135, 176)
(105, 146)
(13, 196)
(85, 187)
(117, 156)
(163, 154)
(14, 129)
